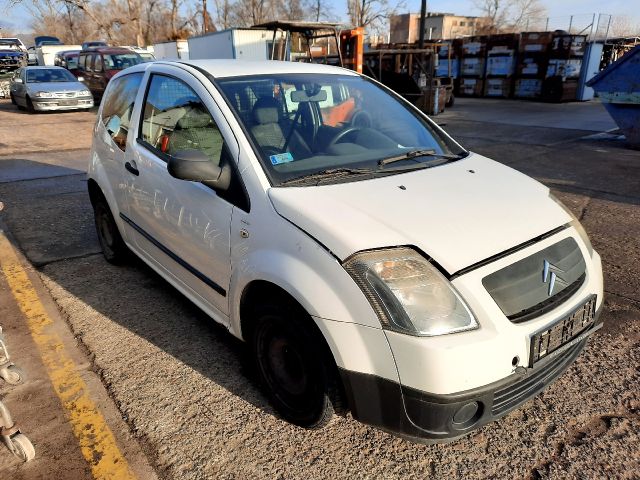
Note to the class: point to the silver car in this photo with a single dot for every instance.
(48, 88)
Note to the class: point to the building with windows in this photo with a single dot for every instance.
(438, 26)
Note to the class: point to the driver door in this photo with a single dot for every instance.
(182, 227)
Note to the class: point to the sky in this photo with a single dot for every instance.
(17, 18)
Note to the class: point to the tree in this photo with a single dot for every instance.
(319, 10)
(372, 14)
(510, 15)
(622, 26)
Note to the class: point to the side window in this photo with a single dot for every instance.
(97, 66)
(118, 107)
(175, 119)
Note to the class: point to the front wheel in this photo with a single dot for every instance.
(294, 366)
(30, 107)
(113, 247)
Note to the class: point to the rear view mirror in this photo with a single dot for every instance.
(81, 79)
(194, 165)
(17, 80)
(301, 96)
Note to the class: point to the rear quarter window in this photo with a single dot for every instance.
(118, 107)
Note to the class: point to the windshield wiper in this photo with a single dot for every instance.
(328, 173)
(417, 153)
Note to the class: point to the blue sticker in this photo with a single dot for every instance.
(281, 158)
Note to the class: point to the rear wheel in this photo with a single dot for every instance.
(113, 247)
(294, 365)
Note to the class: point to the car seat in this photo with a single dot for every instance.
(269, 134)
(195, 130)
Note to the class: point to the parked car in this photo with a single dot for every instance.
(46, 40)
(97, 66)
(68, 59)
(48, 88)
(370, 264)
(146, 55)
(33, 56)
(94, 44)
(13, 54)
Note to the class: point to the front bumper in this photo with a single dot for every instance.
(48, 104)
(428, 418)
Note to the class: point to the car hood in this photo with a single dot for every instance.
(56, 87)
(459, 213)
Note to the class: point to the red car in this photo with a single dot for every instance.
(98, 65)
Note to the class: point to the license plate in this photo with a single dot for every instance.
(549, 340)
(67, 103)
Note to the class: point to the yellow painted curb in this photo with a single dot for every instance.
(97, 443)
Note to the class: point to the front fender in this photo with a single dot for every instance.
(325, 290)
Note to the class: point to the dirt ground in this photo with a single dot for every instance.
(179, 381)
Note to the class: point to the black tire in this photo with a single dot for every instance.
(13, 100)
(30, 106)
(451, 101)
(114, 249)
(294, 365)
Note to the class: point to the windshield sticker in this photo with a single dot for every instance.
(281, 158)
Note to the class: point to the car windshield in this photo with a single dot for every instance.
(47, 75)
(120, 61)
(10, 45)
(72, 62)
(307, 125)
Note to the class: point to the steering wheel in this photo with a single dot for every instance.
(361, 118)
(343, 134)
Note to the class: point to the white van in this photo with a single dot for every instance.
(370, 262)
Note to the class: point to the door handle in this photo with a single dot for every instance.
(132, 168)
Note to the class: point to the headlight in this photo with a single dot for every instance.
(575, 223)
(84, 93)
(44, 94)
(409, 294)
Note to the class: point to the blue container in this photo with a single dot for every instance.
(618, 87)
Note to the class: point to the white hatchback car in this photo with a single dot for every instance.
(369, 261)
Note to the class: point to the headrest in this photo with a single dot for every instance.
(194, 118)
(266, 110)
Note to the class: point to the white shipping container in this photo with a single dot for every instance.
(176, 50)
(237, 43)
(47, 53)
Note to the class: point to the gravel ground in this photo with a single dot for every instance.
(178, 381)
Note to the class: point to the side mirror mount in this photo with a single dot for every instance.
(195, 166)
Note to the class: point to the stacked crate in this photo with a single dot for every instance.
(501, 61)
(472, 66)
(442, 70)
(532, 66)
(563, 70)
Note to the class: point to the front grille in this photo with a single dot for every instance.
(64, 94)
(516, 393)
(548, 304)
(538, 283)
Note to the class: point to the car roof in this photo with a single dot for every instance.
(107, 50)
(220, 68)
(43, 67)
